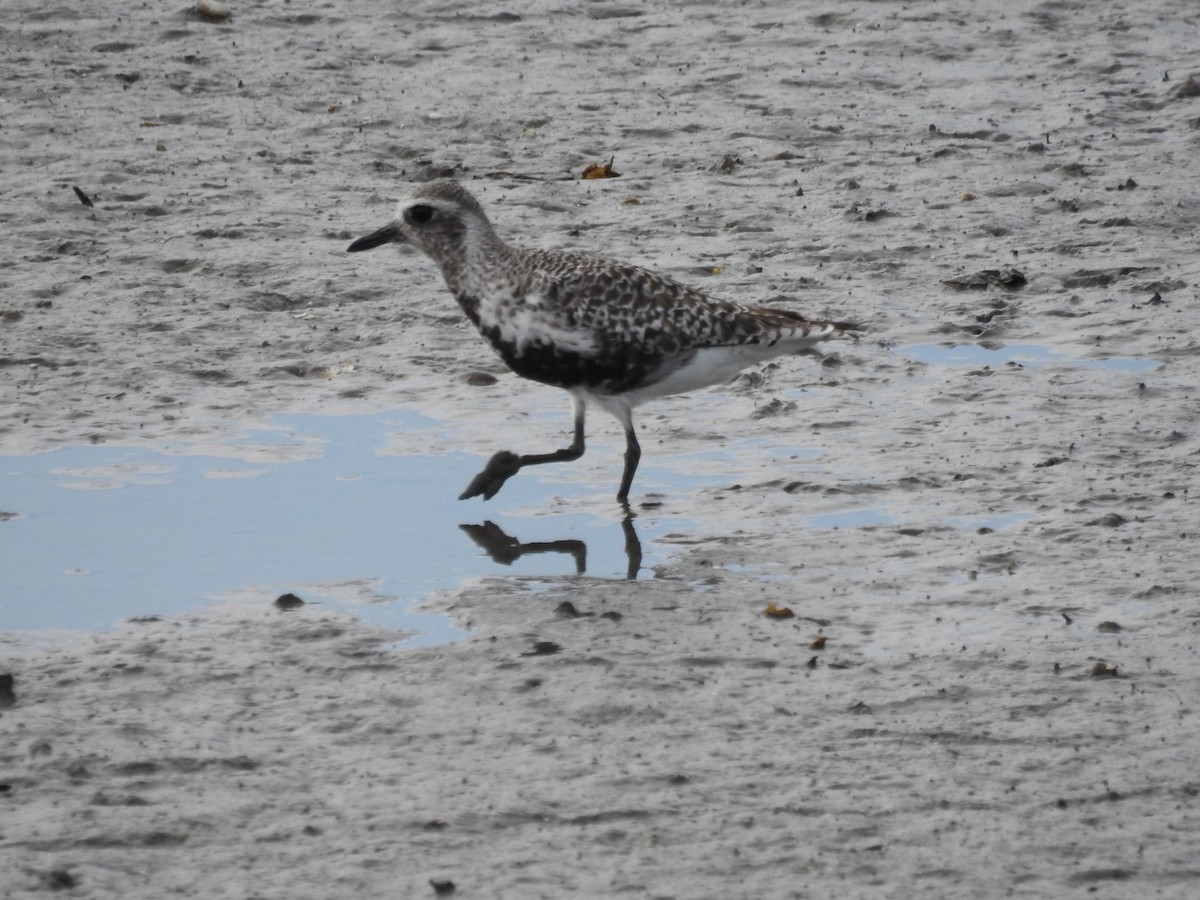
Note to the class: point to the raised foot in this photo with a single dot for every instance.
(487, 483)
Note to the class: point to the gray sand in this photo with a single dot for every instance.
(1004, 704)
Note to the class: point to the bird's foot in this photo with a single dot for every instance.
(487, 483)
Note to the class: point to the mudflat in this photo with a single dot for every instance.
(979, 516)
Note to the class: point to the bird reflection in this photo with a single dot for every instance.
(506, 549)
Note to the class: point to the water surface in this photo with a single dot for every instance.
(314, 506)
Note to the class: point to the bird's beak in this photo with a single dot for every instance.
(388, 234)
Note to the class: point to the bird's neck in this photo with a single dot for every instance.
(481, 250)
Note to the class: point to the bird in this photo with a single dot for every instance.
(609, 333)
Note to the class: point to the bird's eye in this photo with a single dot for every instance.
(420, 214)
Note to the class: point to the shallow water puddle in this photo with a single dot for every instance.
(1021, 354)
(314, 506)
(851, 518)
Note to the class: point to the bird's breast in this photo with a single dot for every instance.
(542, 343)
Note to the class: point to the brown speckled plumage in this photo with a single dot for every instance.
(606, 331)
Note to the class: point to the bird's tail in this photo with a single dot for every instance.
(849, 330)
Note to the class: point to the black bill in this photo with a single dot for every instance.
(386, 235)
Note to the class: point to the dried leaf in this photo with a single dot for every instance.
(597, 170)
(212, 11)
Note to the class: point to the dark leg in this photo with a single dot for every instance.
(633, 453)
(506, 464)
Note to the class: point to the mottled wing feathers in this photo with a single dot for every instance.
(628, 305)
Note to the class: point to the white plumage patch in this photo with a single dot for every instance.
(526, 322)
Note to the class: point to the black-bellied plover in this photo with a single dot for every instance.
(608, 332)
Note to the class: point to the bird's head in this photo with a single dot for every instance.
(440, 218)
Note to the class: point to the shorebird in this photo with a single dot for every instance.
(609, 333)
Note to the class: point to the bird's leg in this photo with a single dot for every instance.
(506, 464)
(633, 453)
